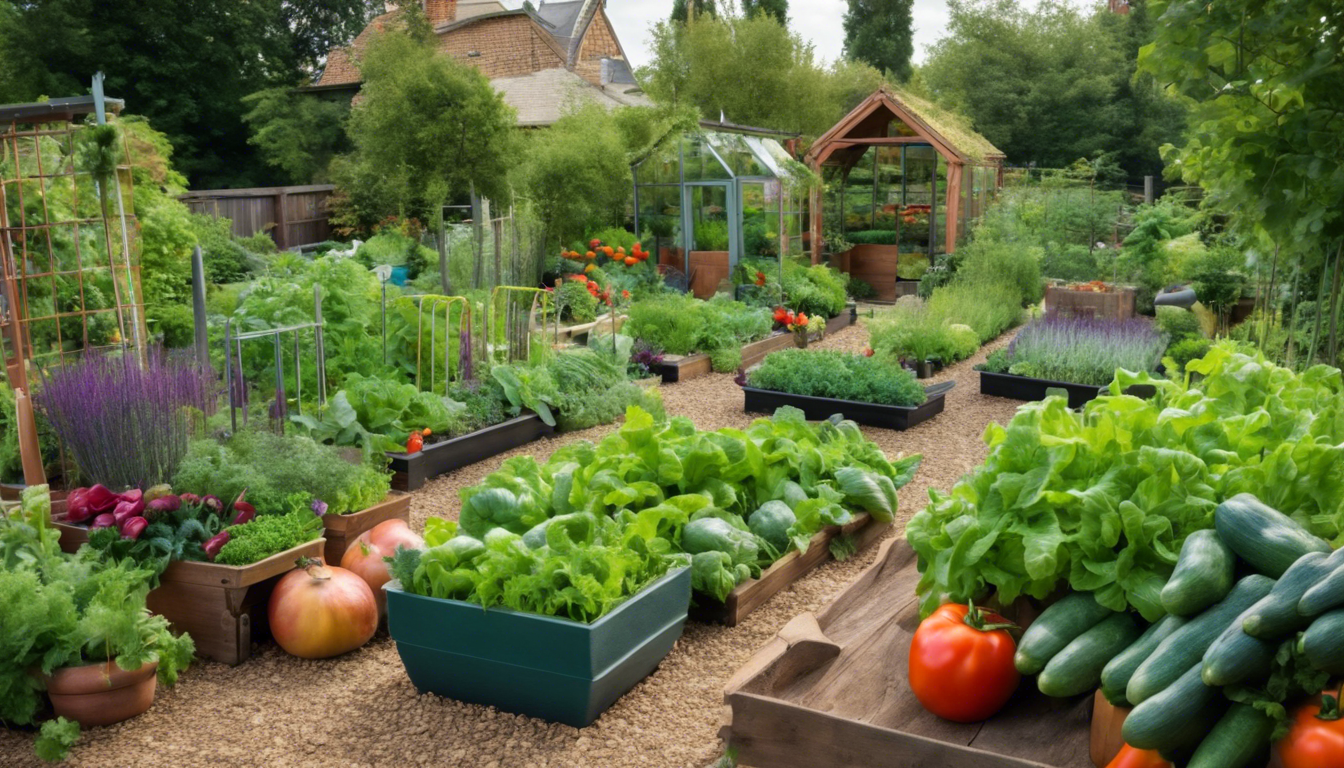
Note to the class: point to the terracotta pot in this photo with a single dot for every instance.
(102, 694)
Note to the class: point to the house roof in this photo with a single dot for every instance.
(542, 97)
(948, 131)
(57, 110)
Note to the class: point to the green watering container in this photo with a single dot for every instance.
(542, 666)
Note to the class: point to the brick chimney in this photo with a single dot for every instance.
(440, 11)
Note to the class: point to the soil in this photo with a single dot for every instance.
(361, 710)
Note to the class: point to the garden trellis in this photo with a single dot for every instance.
(236, 383)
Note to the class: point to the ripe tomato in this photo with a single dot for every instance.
(415, 443)
(961, 663)
(1130, 757)
(1314, 742)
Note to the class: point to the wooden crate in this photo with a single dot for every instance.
(830, 691)
(223, 607)
(1117, 304)
(876, 266)
(750, 595)
(342, 530)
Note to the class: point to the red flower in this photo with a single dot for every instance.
(594, 243)
(867, 351)
(760, 278)
(625, 294)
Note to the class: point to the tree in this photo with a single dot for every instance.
(702, 9)
(779, 9)
(1262, 84)
(185, 64)
(298, 133)
(881, 33)
(427, 129)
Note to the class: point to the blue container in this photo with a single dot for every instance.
(399, 275)
(547, 667)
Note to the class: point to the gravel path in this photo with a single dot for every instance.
(361, 710)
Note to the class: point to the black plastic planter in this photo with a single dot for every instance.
(555, 669)
(411, 470)
(872, 414)
(1025, 388)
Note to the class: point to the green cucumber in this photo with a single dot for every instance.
(1203, 576)
(1263, 536)
(1115, 676)
(1177, 716)
(1328, 592)
(1186, 646)
(1056, 627)
(1240, 737)
(1077, 668)
(1323, 642)
(1275, 615)
(1236, 656)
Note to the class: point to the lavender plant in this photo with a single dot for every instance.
(128, 425)
(1083, 350)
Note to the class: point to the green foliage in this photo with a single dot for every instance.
(837, 375)
(950, 326)
(381, 414)
(224, 256)
(872, 237)
(881, 33)
(266, 535)
(1074, 263)
(575, 302)
(1183, 351)
(298, 134)
(1178, 324)
(683, 325)
(726, 359)
(988, 262)
(778, 9)
(1111, 493)
(1217, 275)
(682, 10)
(814, 290)
(1145, 260)
(912, 266)
(394, 248)
(272, 468)
(56, 738)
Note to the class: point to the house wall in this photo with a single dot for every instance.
(599, 43)
(509, 46)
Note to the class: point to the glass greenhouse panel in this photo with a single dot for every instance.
(699, 162)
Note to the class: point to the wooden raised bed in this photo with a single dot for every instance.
(706, 270)
(221, 606)
(342, 530)
(872, 414)
(676, 368)
(750, 595)
(411, 470)
(1116, 304)
(876, 266)
(830, 691)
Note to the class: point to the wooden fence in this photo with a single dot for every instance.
(292, 216)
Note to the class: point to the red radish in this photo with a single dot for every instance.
(162, 506)
(365, 556)
(133, 527)
(127, 509)
(76, 509)
(215, 544)
(105, 520)
(317, 611)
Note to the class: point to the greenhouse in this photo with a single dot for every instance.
(718, 195)
(903, 179)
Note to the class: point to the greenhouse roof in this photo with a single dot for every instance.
(948, 131)
(731, 147)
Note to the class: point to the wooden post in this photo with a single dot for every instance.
(281, 220)
(818, 199)
(1148, 190)
(953, 206)
(30, 451)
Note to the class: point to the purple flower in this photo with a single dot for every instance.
(319, 507)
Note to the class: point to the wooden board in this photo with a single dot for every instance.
(876, 266)
(830, 691)
(707, 269)
(342, 530)
(1117, 304)
(223, 607)
(750, 595)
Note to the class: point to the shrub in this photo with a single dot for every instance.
(226, 258)
(814, 290)
(575, 302)
(393, 248)
(682, 325)
(1179, 324)
(837, 375)
(174, 323)
(988, 309)
(912, 266)
(1185, 350)
(726, 359)
(987, 262)
(1074, 263)
(872, 237)
(860, 289)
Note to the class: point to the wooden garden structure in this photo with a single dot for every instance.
(903, 176)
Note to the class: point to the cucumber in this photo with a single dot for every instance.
(1236, 741)
(1275, 615)
(1186, 646)
(1236, 656)
(1263, 536)
(1328, 592)
(1177, 716)
(1323, 642)
(1077, 668)
(1115, 676)
(1056, 627)
(1203, 575)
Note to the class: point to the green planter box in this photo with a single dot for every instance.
(542, 666)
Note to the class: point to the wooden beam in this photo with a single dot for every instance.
(953, 207)
(878, 141)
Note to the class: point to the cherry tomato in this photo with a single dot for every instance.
(1314, 742)
(961, 663)
(1131, 757)
(415, 443)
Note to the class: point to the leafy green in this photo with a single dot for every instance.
(1291, 676)
(838, 375)
(1103, 499)
(266, 535)
(381, 414)
(56, 738)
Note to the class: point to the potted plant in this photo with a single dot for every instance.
(82, 636)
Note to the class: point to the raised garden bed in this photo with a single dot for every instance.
(750, 595)
(676, 368)
(872, 414)
(1115, 303)
(541, 666)
(342, 530)
(830, 690)
(411, 470)
(1016, 387)
(223, 607)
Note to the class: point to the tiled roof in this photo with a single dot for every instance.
(542, 97)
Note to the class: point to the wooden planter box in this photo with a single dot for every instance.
(342, 530)
(411, 470)
(831, 691)
(1117, 304)
(542, 666)
(706, 270)
(676, 368)
(876, 266)
(750, 595)
(818, 408)
(223, 607)
(1025, 388)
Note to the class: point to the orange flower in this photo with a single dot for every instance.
(620, 249)
(607, 249)
(591, 255)
(631, 261)
(625, 294)
(590, 268)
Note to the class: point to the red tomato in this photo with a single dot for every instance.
(415, 443)
(364, 557)
(1130, 757)
(961, 663)
(1313, 742)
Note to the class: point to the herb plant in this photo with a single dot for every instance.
(1084, 350)
(837, 375)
